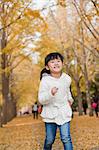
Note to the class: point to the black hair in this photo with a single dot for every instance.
(52, 56)
(44, 71)
(49, 57)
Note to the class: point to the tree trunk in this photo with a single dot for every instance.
(84, 68)
(9, 107)
(79, 98)
(5, 78)
(88, 92)
(0, 116)
(5, 94)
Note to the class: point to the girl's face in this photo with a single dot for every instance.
(55, 65)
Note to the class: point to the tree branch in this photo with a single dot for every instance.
(94, 3)
(95, 53)
(83, 19)
(19, 17)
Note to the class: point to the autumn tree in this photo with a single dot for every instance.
(59, 31)
(84, 37)
(25, 82)
(18, 23)
(88, 32)
(73, 28)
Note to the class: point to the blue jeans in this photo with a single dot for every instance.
(64, 129)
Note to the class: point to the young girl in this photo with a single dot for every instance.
(54, 94)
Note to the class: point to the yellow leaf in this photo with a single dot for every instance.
(7, 0)
(32, 13)
(62, 3)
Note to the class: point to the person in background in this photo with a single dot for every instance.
(95, 104)
(55, 96)
(85, 106)
(35, 110)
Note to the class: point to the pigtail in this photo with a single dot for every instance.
(44, 72)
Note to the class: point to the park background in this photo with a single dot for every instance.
(29, 30)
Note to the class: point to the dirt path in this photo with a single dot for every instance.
(25, 133)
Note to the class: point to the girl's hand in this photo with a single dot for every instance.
(54, 90)
(69, 103)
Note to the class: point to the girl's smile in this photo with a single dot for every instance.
(55, 66)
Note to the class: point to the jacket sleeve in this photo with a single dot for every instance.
(44, 94)
(69, 95)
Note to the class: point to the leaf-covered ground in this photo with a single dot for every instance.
(25, 133)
